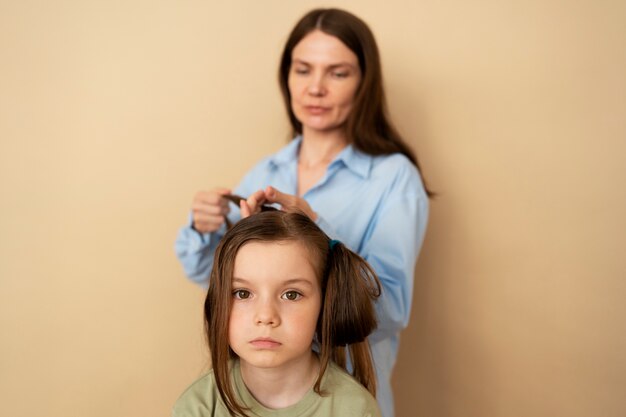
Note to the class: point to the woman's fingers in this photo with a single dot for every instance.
(255, 201)
(207, 224)
(205, 208)
(209, 210)
(289, 202)
(213, 197)
(245, 209)
(276, 196)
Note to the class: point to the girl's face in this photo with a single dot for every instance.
(276, 303)
(323, 80)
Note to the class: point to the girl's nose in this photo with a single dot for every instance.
(267, 314)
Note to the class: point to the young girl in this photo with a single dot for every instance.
(279, 285)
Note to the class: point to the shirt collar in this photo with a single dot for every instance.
(356, 161)
(353, 159)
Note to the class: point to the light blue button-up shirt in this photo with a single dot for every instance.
(375, 205)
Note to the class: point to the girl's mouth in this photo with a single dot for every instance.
(265, 343)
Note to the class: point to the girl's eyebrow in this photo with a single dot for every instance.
(292, 281)
(298, 281)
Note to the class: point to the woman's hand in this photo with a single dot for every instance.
(209, 210)
(289, 203)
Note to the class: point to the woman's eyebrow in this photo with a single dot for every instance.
(338, 64)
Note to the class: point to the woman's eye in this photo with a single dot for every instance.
(292, 295)
(241, 294)
(340, 74)
(301, 70)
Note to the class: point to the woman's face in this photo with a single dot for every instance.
(323, 80)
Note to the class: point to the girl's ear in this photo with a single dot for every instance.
(348, 315)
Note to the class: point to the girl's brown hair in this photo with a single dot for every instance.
(368, 126)
(349, 286)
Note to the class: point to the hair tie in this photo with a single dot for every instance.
(332, 243)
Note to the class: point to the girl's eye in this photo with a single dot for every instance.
(292, 295)
(340, 74)
(241, 294)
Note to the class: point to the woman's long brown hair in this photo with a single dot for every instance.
(368, 126)
(349, 288)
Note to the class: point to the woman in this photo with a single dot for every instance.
(347, 169)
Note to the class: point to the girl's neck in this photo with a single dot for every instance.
(281, 387)
(318, 149)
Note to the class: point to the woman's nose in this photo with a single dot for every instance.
(316, 86)
(267, 314)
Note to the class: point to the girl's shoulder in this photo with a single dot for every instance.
(200, 399)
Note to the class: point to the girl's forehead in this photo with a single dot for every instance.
(275, 261)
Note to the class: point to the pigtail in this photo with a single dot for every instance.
(363, 365)
(348, 316)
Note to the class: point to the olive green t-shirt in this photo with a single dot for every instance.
(344, 397)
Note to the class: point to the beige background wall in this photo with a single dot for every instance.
(113, 113)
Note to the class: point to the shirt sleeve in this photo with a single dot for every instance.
(195, 252)
(391, 249)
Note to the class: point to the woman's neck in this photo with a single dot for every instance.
(318, 149)
(281, 387)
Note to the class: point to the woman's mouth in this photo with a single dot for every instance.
(316, 110)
